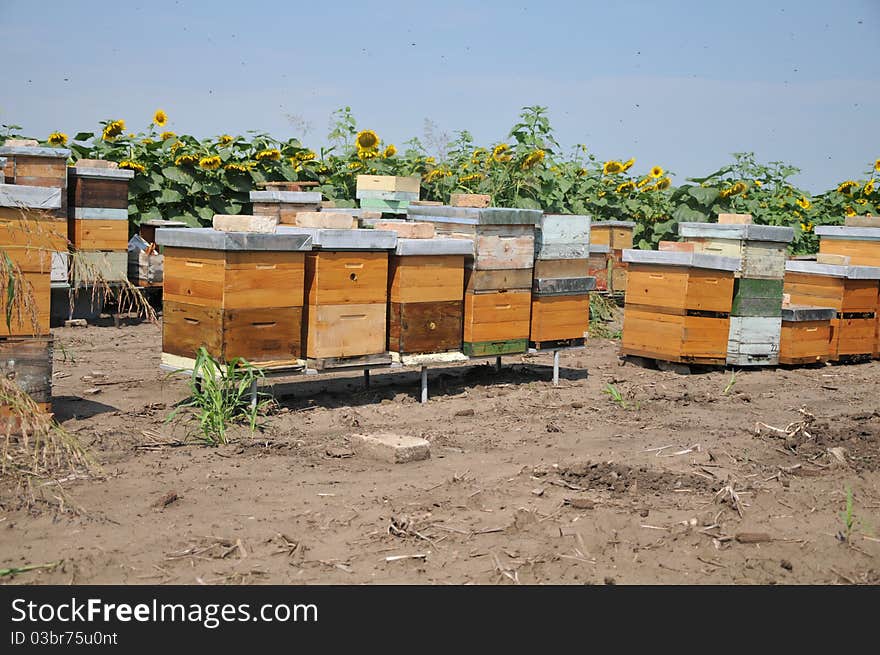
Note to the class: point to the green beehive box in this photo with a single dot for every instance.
(753, 297)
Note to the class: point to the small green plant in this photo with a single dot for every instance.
(848, 518)
(730, 384)
(615, 395)
(222, 395)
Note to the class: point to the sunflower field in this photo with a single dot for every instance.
(180, 177)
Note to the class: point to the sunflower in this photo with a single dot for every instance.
(272, 154)
(146, 141)
(628, 163)
(167, 135)
(533, 158)
(665, 183)
(725, 193)
(177, 145)
(657, 172)
(849, 211)
(132, 165)
(612, 168)
(758, 183)
(626, 186)
(323, 170)
(500, 153)
(390, 151)
(436, 174)
(113, 129)
(806, 227)
(475, 177)
(225, 140)
(478, 155)
(581, 172)
(877, 165)
(210, 163)
(308, 155)
(804, 203)
(237, 168)
(861, 201)
(847, 187)
(160, 118)
(367, 153)
(367, 139)
(57, 139)
(355, 165)
(869, 188)
(643, 182)
(186, 160)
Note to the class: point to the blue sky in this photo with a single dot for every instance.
(681, 84)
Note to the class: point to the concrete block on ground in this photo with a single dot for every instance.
(391, 448)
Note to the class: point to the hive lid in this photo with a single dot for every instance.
(354, 239)
(834, 270)
(808, 313)
(35, 151)
(677, 258)
(474, 215)
(599, 248)
(207, 238)
(32, 197)
(614, 224)
(102, 173)
(747, 232)
(298, 197)
(436, 246)
(845, 232)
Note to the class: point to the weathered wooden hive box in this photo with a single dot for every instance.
(426, 295)
(346, 288)
(762, 248)
(560, 286)
(598, 265)
(498, 278)
(145, 260)
(239, 294)
(618, 236)
(30, 232)
(851, 291)
(860, 244)
(284, 205)
(387, 193)
(37, 166)
(27, 362)
(97, 224)
(807, 335)
(678, 306)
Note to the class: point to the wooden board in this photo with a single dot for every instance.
(428, 278)
(754, 341)
(234, 279)
(258, 335)
(497, 280)
(347, 330)
(674, 338)
(29, 260)
(556, 318)
(338, 278)
(22, 323)
(484, 348)
(98, 192)
(550, 268)
(425, 327)
(285, 212)
(32, 228)
(861, 253)
(805, 342)
(676, 289)
(763, 260)
(752, 297)
(91, 234)
(497, 316)
(28, 361)
(87, 267)
(504, 247)
(411, 184)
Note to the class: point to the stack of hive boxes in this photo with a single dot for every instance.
(560, 285)
(678, 306)
(616, 236)
(346, 296)
(387, 193)
(858, 240)
(756, 310)
(98, 222)
(239, 294)
(30, 231)
(425, 285)
(851, 291)
(498, 278)
(284, 205)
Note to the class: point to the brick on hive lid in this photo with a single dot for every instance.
(862, 221)
(21, 143)
(245, 223)
(676, 246)
(95, 163)
(478, 200)
(425, 203)
(836, 260)
(328, 204)
(407, 229)
(326, 220)
(735, 219)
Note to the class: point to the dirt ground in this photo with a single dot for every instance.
(526, 483)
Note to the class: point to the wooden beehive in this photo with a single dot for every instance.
(762, 249)
(38, 166)
(617, 235)
(757, 297)
(387, 193)
(498, 277)
(678, 306)
(754, 340)
(807, 334)
(851, 291)
(284, 205)
(98, 208)
(238, 294)
(860, 244)
(562, 237)
(425, 295)
(559, 320)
